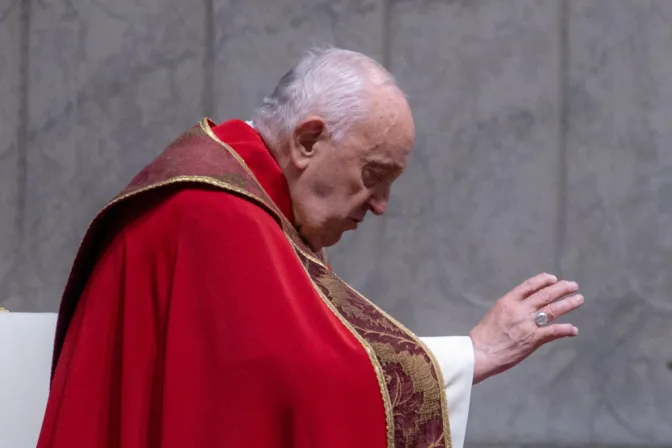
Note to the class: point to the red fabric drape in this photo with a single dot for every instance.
(198, 327)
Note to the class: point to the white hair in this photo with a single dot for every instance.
(329, 83)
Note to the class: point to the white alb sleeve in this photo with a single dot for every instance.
(455, 356)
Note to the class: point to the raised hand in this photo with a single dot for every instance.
(508, 333)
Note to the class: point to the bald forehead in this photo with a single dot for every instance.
(387, 134)
(391, 111)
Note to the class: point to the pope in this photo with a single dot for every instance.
(201, 310)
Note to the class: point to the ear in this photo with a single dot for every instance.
(304, 139)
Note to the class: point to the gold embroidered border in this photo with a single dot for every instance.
(437, 367)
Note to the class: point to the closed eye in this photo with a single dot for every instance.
(372, 176)
(376, 172)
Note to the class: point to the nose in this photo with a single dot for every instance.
(379, 197)
(378, 205)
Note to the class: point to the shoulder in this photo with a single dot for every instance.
(200, 201)
(193, 214)
(213, 223)
(210, 208)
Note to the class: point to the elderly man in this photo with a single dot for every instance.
(201, 310)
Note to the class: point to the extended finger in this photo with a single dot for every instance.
(552, 293)
(562, 307)
(556, 331)
(532, 285)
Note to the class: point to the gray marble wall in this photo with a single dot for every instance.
(543, 129)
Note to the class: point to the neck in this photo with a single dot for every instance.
(284, 162)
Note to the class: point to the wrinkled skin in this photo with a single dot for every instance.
(508, 334)
(334, 184)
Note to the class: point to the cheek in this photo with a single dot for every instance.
(356, 188)
(357, 194)
(355, 182)
(357, 201)
(346, 184)
(340, 182)
(323, 189)
(323, 181)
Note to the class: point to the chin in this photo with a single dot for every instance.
(327, 240)
(317, 242)
(320, 239)
(332, 241)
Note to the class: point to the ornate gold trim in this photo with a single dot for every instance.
(437, 368)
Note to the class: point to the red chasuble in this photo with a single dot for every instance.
(195, 316)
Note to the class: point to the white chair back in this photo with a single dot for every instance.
(26, 347)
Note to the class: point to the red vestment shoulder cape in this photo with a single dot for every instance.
(194, 316)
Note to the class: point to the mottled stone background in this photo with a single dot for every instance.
(543, 144)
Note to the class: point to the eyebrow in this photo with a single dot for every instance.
(387, 170)
(377, 164)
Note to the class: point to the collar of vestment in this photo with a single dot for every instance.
(251, 148)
